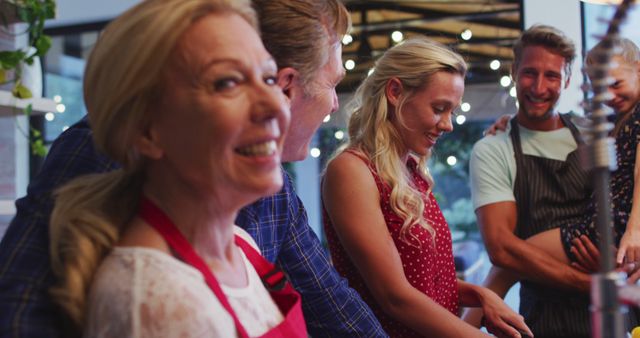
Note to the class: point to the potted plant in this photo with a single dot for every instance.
(33, 13)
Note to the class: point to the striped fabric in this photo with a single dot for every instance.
(550, 193)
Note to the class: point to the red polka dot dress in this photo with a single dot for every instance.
(428, 269)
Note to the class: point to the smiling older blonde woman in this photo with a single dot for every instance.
(195, 117)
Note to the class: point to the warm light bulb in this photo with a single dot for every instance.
(349, 64)
(466, 34)
(397, 36)
(505, 81)
(347, 39)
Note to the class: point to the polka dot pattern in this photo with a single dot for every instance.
(621, 189)
(427, 268)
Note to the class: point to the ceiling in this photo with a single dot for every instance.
(494, 24)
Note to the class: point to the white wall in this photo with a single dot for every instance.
(594, 14)
(564, 15)
(308, 189)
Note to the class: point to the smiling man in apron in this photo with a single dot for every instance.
(528, 180)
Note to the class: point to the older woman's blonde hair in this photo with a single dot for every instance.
(122, 79)
(412, 62)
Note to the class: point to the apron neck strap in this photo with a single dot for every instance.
(157, 219)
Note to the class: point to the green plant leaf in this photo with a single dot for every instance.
(28, 110)
(42, 44)
(23, 14)
(33, 13)
(38, 148)
(11, 59)
(21, 91)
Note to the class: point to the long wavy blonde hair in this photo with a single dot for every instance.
(371, 132)
(122, 78)
(627, 51)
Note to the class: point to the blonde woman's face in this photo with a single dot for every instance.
(626, 86)
(427, 114)
(221, 119)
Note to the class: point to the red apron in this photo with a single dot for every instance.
(282, 293)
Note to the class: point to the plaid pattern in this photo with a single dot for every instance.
(331, 308)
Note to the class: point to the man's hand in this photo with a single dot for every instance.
(500, 125)
(587, 255)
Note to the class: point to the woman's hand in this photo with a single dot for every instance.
(628, 257)
(629, 250)
(587, 255)
(499, 319)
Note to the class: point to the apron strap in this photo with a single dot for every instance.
(157, 219)
(272, 277)
(566, 119)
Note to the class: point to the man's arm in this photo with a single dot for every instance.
(492, 174)
(331, 307)
(26, 309)
(497, 223)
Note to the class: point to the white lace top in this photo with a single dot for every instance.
(143, 292)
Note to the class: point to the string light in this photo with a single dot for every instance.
(465, 106)
(347, 39)
(505, 81)
(349, 64)
(315, 152)
(466, 34)
(397, 36)
(495, 65)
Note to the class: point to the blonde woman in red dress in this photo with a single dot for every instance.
(386, 233)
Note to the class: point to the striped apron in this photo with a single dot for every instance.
(550, 193)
